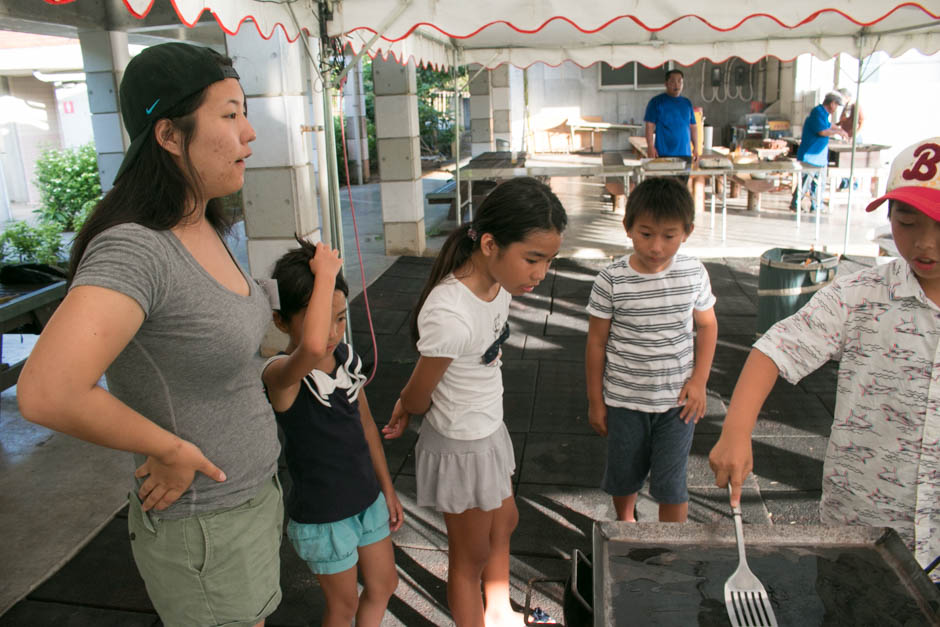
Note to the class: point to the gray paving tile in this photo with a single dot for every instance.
(302, 600)
(421, 597)
(559, 347)
(789, 462)
(517, 411)
(423, 528)
(390, 282)
(711, 505)
(527, 318)
(102, 574)
(29, 612)
(560, 400)
(383, 320)
(556, 519)
(393, 348)
(381, 298)
(792, 507)
(567, 323)
(573, 460)
(733, 307)
(397, 451)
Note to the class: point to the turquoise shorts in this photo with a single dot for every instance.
(330, 548)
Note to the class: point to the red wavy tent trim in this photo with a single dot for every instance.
(639, 22)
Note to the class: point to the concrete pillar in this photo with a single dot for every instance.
(104, 56)
(396, 130)
(502, 107)
(354, 113)
(279, 197)
(481, 113)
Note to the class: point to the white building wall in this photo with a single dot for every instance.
(36, 126)
(558, 93)
(897, 97)
(74, 115)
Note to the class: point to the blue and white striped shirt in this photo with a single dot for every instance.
(650, 349)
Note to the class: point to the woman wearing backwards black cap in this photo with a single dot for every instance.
(159, 305)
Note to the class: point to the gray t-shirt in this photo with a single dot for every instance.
(194, 366)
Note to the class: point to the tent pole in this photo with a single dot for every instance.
(848, 207)
(457, 107)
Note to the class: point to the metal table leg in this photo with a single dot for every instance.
(724, 207)
(714, 190)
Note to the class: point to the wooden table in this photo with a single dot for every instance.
(577, 124)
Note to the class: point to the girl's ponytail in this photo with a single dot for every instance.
(454, 253)
(509, 213)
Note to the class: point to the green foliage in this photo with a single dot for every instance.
(78, 221)
(22, 243)
(436, 127)
(67, 179)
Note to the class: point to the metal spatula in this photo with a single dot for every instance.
(745, 597)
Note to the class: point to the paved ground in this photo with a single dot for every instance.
(65, 549)
(559, 459)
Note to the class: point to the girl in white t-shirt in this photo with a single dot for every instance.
(464, 455)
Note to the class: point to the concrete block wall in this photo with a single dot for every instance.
(279, 197)
(399, 155)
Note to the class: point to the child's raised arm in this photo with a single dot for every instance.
(416, 396)
(731, 458)
(284, 373)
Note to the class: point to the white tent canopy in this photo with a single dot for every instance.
(493, 32)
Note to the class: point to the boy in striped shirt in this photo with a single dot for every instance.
(651, 341)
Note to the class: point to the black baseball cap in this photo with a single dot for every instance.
(158, 79)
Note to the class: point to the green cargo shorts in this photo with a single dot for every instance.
(217, 568)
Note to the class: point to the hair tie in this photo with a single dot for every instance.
(472, 234)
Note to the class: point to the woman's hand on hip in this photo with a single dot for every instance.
(168, 476)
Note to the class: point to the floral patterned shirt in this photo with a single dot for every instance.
(881, 466)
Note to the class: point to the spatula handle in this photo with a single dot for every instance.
(738, 528)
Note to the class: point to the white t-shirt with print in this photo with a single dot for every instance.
(467, 403)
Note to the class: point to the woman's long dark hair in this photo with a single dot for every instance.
(509, 213)
(153, 191)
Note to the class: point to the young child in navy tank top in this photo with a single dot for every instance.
(341, 504)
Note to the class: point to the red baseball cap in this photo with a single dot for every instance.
(915, 178)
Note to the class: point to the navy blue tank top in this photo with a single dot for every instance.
(327, 454)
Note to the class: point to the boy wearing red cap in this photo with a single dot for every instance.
(883, 324)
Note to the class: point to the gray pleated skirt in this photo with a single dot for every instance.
(456, 475)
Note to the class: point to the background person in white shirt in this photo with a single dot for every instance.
(883, 324)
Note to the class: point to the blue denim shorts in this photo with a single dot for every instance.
(641, 444)
(330, 548)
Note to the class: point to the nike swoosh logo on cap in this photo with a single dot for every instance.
(151, 107)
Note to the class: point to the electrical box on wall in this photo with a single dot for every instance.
(716, 77)
(739, 75)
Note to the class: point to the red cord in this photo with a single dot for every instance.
(352, 211)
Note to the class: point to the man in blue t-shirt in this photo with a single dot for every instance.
(814, 145)
(671, 118)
